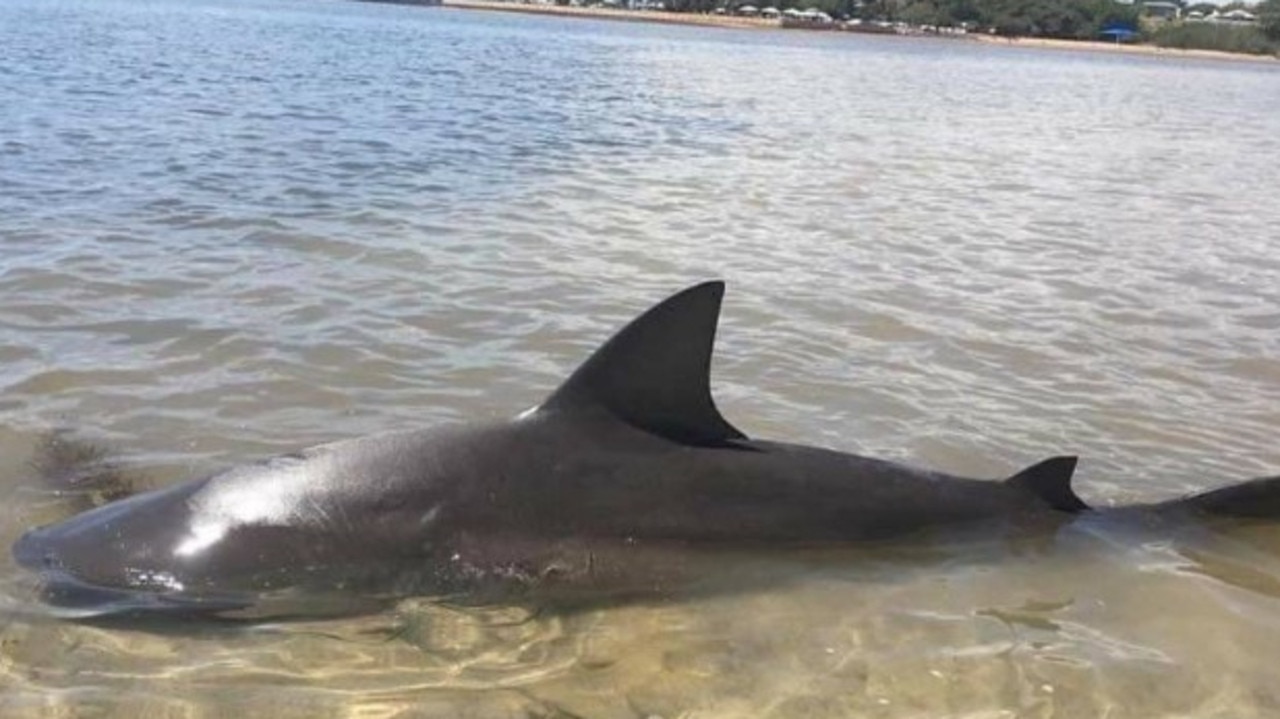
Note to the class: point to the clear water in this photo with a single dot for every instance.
(229, 229)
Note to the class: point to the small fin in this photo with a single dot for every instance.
(1050, 481)
(654, 374)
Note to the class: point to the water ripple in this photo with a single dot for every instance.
(229, 229)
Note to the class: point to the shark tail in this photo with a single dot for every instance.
(1257, 498)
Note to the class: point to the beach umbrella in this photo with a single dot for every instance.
(1119, 33)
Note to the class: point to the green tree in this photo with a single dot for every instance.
(1269, 19)
(879, 10)
(1107, 13)
(1069, 19)
(1227, 37)
(960, 11)
(692, 5)
(923, 12)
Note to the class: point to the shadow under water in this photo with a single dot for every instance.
(81, 473)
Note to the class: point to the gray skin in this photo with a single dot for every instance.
(597, 492)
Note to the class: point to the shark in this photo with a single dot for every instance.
(599, 491)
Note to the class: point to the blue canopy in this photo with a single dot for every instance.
(1119, 33)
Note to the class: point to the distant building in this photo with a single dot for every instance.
(1239, 15)
(1162, 9)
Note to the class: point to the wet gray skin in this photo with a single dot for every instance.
(598, 491)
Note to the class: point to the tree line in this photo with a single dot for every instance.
(1066, 19)
(1046, 18)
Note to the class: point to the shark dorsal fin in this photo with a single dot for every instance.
(1050, 481)
(654, 374)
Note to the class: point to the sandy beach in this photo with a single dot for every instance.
(670, 18)
(1130, 49)
(750, 23)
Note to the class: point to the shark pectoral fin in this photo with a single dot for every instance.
(1050, 481)
(654, 374)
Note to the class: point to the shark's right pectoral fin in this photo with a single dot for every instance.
(1050, 481)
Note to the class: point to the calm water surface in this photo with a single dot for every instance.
(229, 229)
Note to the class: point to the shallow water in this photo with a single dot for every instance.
(229, 229)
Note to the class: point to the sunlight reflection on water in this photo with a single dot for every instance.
(229, 229)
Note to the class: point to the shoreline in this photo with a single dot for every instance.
(663, 17)
(733, 22)
(1046, 43)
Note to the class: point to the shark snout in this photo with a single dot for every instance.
(76, 585)
(35, 551)
(75, 551)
